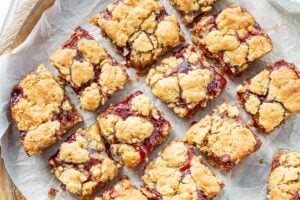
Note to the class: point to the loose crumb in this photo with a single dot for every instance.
(52, 193)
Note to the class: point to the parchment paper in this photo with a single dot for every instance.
(246, 182)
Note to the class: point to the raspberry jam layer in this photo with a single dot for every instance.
(123, 110)
(79, 34)
(16, 95)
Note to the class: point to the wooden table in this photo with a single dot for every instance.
(22, 24)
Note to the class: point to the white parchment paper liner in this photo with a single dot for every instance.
(32, 175)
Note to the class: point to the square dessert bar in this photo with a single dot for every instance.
(123, 190)
(83, 163)
(190, 10)
(141, 30)
(42, 110)
(86, 66)
(185, 81)
(223, 137)
(177, 173)
(284, 179)
(272, 95)
(233, 38)
(133, 127)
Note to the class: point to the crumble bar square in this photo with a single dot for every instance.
(42, 110)
(133, 127)
(123, 190)
(185, 81)
(191, 9)
(141, 30)
(283, 182)
(272, 95)
(177, 173)
(223, 137)
(87, 67)
(233, 38)
(83, 164)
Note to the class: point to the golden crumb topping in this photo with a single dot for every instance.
(82, 164)
(178, 174)
(35, 104)
(89, 69)
(233, 37)
(123, 190)
(141, 28)
(133, 127)
(222, 134)
(283, 182)
(182, 80)
(271, 95)
(192, 8)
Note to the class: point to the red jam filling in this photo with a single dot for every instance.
(258, 143)
(225, 162)
(90, 163)
(23, 135)
(217, 84)
(112, 192)
(71, 138)
(202, 196)
(79, 33)
(283, 63)
(275, 163)
(296, 196)
(66, 117)
(155, 138)
(190, 155)
(184, 67)
(58, 135)
(16, 95)
(56, 161)
(161, 15)
(106, 14)
(123, 109)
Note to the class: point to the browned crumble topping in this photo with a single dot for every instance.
(133, 127)
(233, 38)
(177, 173)
(83, 164)
(223, 137)
(141, 29)
(42, 111)
(185, 81)
(283, 183)
(86, 66)
(272, 95)
(190, 9)
(123, 190)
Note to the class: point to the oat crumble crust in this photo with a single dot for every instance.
(272, 95)
(141, 30)
(87, 67)
(283, 182)
(178, 174)
(123, 190)
(190, 9)
(185, 81)
(233, 38)
(42, 111)
(223, 137)
(133, 128)
(83, 164)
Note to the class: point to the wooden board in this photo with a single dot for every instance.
(21, 25)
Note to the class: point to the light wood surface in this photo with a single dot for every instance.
(18, 30)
